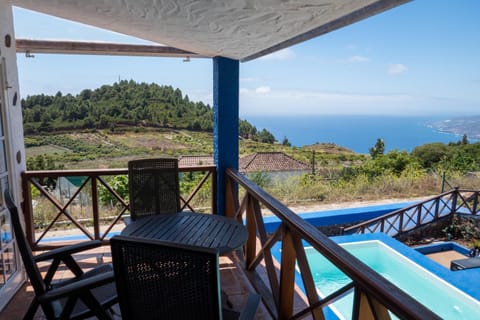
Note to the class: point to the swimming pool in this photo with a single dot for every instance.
(435, 293)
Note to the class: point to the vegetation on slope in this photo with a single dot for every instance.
(106, 127)
(124, 104)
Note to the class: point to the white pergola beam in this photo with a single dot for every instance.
(29, 46)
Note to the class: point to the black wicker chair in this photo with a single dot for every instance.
(88, 294)
(163, 280)
(153, 187)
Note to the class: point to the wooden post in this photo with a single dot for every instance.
(437, 207)
(231, 198)
(419, 214)
(308, 282)
(253, 208)
(287, 275)
(27, 209)
(96, 220)
(454, 200)
(369, 308)
(475, 202)
(401, 220)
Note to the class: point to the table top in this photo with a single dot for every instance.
(197, 229)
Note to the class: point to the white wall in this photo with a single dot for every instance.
(13, 121)
(12, 132)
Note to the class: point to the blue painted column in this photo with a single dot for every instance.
(225, 121)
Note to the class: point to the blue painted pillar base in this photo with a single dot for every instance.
(225, 121)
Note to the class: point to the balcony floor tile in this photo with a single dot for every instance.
(234, 283)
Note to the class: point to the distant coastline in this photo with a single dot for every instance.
(358, 133)
(459, 126)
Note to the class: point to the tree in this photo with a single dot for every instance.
(244, 128)
(85, 94)
(431, 154)
(378, 149)
(394, 162)
(285, 142)
(266, 137)
(126, 103)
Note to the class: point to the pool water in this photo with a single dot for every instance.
(436, 294)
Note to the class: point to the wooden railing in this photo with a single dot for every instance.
(417, 215)
(95, 224)
(374, 296)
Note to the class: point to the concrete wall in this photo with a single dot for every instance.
(330, 221)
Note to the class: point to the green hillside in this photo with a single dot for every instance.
(124, 104)
(106, 149)
(107, 126)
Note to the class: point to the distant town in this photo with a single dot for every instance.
(469, 126)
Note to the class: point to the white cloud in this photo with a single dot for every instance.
(284, 54)
(263, 89)
(249, 80)
(266, 101)
(296, 102)
(358, 59)
(397, 68)
(351, 46)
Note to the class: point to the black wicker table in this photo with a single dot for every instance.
(197, 229)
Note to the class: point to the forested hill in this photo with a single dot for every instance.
(126, 103)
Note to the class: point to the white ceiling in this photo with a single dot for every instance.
(237, 29)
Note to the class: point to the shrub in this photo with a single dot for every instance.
(464, 228)
(117, 183)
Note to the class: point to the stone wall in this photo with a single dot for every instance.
(426, 233)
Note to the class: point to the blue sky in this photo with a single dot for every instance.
(421, 58)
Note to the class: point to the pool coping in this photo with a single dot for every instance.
(339, 216)
(435, 247)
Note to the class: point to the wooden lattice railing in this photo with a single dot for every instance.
(374, 296)
(425, 212)
(95, 223)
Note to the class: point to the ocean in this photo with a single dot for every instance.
(357, 133)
